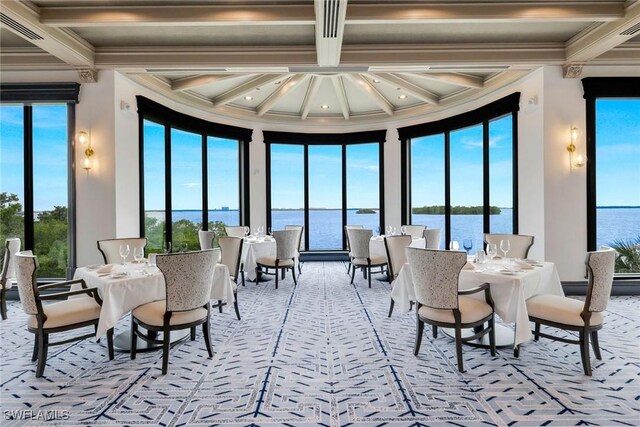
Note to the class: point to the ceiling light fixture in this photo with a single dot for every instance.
(376, 81)
(248, 98)
(324, 106)
(278, 82)
(403, 96)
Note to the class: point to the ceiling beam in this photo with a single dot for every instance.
(284, 89)
(29, 58)
(185, 15)
(330, 20)
(312, 90)
(473, 12)
(192, 82)
(456, 79)
(603, 38)
(410, 88)
(366, 87)
(247, 87)
(64, 45)
(338, 85)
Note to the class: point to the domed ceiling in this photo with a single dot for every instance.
(323, 61)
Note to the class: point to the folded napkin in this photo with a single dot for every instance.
(268, 238)
(468, 266)
(105, 269)
(524, 265)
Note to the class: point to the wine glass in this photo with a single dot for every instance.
(388, 230)
(260, 230)
(492, 250)
(124, 252)
(453, 245)
(138, 254)
(168, 248)
(246, 231)
(505, 245)
(184, 247)
(378, 230)
(467, 244)
(403, 230)
(255, 231)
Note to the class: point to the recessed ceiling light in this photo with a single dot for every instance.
(278, 82)
(398, 88)
(376, 81)
(402, 96)
(324, 106)
(248, 98)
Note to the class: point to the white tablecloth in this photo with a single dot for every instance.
(376, 245)
(509, 292)
(252, 249)
(120, 296)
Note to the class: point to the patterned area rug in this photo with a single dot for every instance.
(323, 353)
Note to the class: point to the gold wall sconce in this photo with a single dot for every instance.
(575, 160)
(84, 139)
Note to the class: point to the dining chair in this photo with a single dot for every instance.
(435, 276)
(206, 239)
(286, 249)
(110, 248)
(8, 275)
(414, 230)
(519, 243)
(231, 248)
(360, 255)
(44, 319)
(236, 231)
(347, 227)
(187, 277)
(396, 257)
(432, 238)
(570, 314)
(300, 230)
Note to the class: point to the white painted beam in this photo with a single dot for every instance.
(312, 90)
(247, 87)
(192, 82)
(330, 20)
(457, 79)
(366, 87)
(410, 88)
(338, 85)
(281, 93)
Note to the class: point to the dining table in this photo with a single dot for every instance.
(511, 283)
(377, 248)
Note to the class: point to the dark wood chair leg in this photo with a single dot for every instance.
(299, 268)
(95, 328)
(3, 303)
(235, 305)
(206, 329)
(134, 339)
(434, 331)
(419, 331)
(293, 274)
(369, 275)
(34, 356)
(596, 345)
(110, 343)
(492, 336)
(516, 351)
(284, 270)
(276, 278)
(242, 274)
(536, 333)
(193, 333)
(166, 341)
(43, 348)
(220, 305)
(353, 275)
(459, 349)
(584, 352)
(391, 307)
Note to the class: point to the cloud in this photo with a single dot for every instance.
(474, 143)
(191, 184)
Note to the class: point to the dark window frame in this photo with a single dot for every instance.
(28, 94)
(343, 140)
(509, 105)
(170, 119)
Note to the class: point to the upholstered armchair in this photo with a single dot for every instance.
(231, 248)
(347, 227)
(110, 248)
(286, 249)
(206, 239)
(300, 230)
(396, 258)
(520, 243)
(414, 230)
(432, 238)
(8, 275)
(359, 240)
(236, 231)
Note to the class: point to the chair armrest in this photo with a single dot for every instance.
(64, 283)
(474, 290)
(89, 291)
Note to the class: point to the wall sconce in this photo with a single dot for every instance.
(579, 160)
(84, 139)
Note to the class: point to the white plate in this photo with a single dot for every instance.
(118, 275)
(509, 273)
(93, 266)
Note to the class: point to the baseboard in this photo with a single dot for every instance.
(619, 288)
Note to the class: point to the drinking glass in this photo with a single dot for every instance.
(492, 250)
(168, 248)
(124, 252)
(184, 247)
(255, 231)
(403, 230)
(246, 231)
(453, 245)
(260, 230)
(467, 244)
(378, 231)
(388, 229)
(505, 245)
(138, 254)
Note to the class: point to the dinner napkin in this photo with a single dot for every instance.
(268, 238)
(105, 269)
(524, 265)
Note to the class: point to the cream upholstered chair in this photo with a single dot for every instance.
(439, 302)
(8, 276)
(187, 277)
(586, 317)
(236, 231)
(432, 238)
(347, 227)
(110, 248)
(62, 316)
(300, 230)
(414, 230)
(286, 250)
(360, 257)
(520, 243)
(206, 239)
(396, 258)
(231, 248)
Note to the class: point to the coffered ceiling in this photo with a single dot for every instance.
(318, 61)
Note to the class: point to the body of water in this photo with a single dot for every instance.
(325, 226)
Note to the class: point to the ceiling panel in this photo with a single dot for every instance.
(9, 39)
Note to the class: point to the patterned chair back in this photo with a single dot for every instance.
(286, 243)
(414, 230)
(26, 268)
(601, 266)
(206, 239)
(396, 255)
(236, 231)
(188, 277)
(359, 240)
(520, 243)
(347, 227)
(435, 276)
(300, 230)
(110, 248)
(231, 248)
(12, 247)
(432, 238)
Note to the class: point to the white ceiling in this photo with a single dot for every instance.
(283, 61)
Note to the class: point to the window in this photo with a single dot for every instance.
(613, 171)
(35, 173)
(324, 182)
(192, 177)
(459, 173)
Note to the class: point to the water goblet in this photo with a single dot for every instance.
(467, 244)
(403, 230)
(255, 231)
(492, 250)
(505, 245)
(124, 252)
(378, 231)
(168, 248)
(388, 230)
(453, 245)
(184, 247)
(247, 231)
(260, 230)
(138, 254)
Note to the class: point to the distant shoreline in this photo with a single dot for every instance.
(350, 209)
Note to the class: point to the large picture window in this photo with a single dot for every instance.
(192, 177)
(324, 182)
(459, 173)
(613, 171)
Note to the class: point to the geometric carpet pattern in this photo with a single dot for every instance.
(323, 353)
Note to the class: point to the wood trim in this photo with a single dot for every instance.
(40, 92)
